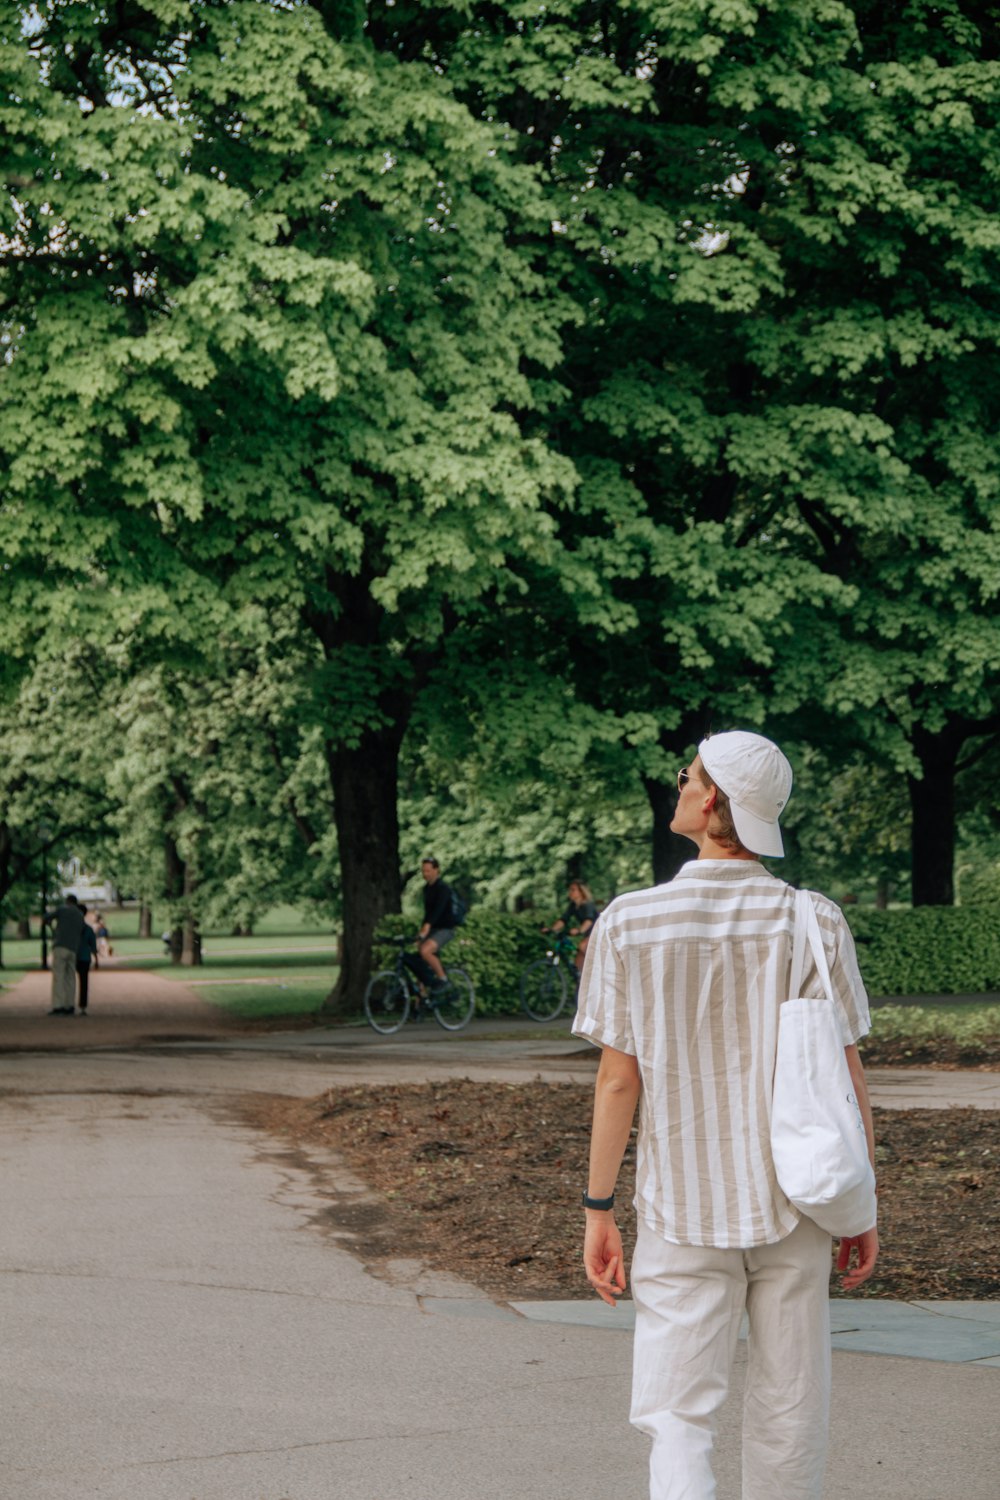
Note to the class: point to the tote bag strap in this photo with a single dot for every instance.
(807, 936)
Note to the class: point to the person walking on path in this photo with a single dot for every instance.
(86, 951)
(67, 925)
(681, 990)
(104, 948)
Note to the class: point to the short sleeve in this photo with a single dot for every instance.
(848, 987)
(849, 993)
(602, 1015)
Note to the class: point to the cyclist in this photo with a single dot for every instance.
(437, 929)
(578, 918)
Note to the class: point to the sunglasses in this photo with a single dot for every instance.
(683, 777)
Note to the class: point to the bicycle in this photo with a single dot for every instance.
(544, 983)
(391, 993)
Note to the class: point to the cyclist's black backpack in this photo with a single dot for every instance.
(459, 910)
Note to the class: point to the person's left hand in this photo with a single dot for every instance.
(856, 1258)
(603, 1258)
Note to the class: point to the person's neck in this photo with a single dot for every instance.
(709, 849)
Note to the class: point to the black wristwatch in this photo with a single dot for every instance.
(601, 1203)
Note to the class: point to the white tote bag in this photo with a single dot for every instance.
(817, 1133)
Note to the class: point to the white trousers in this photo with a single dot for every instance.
(689, 1303)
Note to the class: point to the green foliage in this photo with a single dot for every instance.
(492, 946)
(584, 376)
(222, 810)
(54, 800)
(781, 392)
(910, 1034)
(979, 885)
(847, 826)
(928, 951)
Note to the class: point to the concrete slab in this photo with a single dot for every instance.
(976, 1312)
(592, 1314)
(924, 1332)
(912, 1330)
(933, 1088)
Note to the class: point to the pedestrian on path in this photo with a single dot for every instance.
(104, 947)
(681, 989)
(67, 924)
(86, 952)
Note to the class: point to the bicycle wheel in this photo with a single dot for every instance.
(387, 1002)
(543, 990)
(457, 1002)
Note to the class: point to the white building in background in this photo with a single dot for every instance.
(85, 885)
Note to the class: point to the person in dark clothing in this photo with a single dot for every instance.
(66, 922)
(438, 926)
(86, 951)
(578, 918)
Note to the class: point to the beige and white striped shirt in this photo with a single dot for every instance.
(688, 978)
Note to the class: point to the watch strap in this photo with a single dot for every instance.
(600, 1203)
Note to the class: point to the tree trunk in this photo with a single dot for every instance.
(364, 782)
(190, 936)
(23, 929)
(145, 921)
(669, 850)
(190, 944)
(175, 875)
(932, 804)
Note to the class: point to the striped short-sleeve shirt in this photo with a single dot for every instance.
(688, 978)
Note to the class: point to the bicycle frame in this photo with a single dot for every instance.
(452, 1004)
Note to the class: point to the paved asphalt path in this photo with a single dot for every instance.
(186, 1315)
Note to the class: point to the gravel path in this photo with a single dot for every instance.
(126, 1008)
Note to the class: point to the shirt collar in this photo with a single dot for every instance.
(722, 869)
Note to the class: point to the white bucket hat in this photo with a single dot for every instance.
(757, 779)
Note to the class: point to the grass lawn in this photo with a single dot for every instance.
(285, 969)
(268, 998)
(12, 972)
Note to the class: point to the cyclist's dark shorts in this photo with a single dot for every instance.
(441, 936)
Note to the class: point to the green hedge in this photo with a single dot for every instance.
(492, 946)
(930, 950)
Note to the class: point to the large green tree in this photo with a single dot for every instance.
(270, 331)
(778, 225)
(655, 338)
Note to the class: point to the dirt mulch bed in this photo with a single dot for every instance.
(483, 1180)
(934, 1052)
